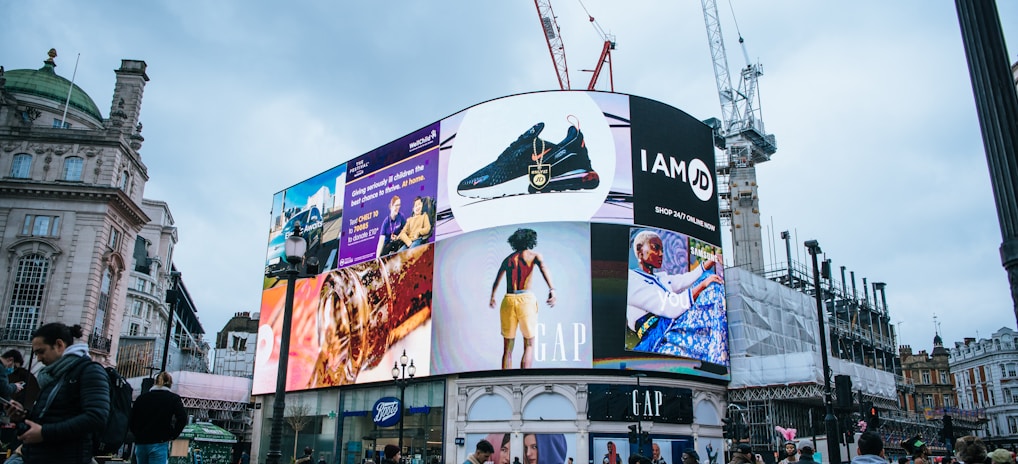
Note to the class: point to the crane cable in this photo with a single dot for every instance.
(742, 42)
(593, 22)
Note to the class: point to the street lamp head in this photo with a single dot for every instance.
(813, 246)
(395, 371)
(295, 246)
(411, 370)
(403, 359)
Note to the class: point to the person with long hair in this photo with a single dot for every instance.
(73, 404)
(157, 417)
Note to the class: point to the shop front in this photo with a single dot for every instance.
(590, 419)
(372, 418)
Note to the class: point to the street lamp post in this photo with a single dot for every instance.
(402, 374)
(295, 247)
(830, 421)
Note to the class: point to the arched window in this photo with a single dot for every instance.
(27, 292)
(22, 166)
(72, 168)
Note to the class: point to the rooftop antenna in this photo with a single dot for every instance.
(63, 118)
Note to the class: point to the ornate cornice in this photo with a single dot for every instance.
(113, 196)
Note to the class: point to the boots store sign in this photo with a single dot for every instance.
(630, 403)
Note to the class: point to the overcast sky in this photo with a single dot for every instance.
(879, 156)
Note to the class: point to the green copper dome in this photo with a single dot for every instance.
(45, 83)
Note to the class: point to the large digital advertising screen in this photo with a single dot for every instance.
(543, 230)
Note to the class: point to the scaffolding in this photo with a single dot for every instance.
(777, 375)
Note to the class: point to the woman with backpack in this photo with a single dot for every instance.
(73, 403)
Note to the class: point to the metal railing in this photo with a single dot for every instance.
(100, 343)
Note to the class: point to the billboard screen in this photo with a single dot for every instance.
(543, 230)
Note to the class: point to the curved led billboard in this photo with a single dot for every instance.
(542, 230)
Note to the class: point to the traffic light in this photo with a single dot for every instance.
(843, 388)
(634, 435)
(871, 415)
(727, 431)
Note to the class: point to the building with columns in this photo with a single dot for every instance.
(81, 244)
(985, 372)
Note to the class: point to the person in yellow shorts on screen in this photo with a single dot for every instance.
(519, 305)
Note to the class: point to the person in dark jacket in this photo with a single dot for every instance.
(157, 417)
(20, 377)
(74, 401)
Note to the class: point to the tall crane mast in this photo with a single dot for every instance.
(553, 35)
(741, 135)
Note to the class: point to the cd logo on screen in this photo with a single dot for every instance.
(386, 412)
(697, 174)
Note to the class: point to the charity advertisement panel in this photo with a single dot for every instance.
(422, 229)
(381, 186)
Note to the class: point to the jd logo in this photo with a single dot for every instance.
(540, 174)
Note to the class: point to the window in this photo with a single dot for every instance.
(1012, 425)
(239, 343)
(60, 124)
(125, 181)
(72, 168)
(943, 378)
(148, 311)
(41, 226)
(27, 296)
(22, 166)
(134, 329)
(948, 402)
(928, 400)
(114, 238)
(1007, 396)
(1011, 370)
(104, 303)
(137, 309)
(926, 376)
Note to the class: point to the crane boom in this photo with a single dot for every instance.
(741, 134)
(553, 36)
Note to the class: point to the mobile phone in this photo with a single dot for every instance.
(8, 403)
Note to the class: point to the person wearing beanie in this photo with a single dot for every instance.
(482, 453)
(742, 453)
(307, 457)
(870, 449)
(806, 452)
(392, 455)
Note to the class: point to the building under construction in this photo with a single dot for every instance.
(777, 365)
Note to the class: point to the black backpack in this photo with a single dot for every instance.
(112, 437)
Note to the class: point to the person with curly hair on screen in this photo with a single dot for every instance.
(519, 305)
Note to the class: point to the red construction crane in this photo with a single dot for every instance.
(553, 36)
